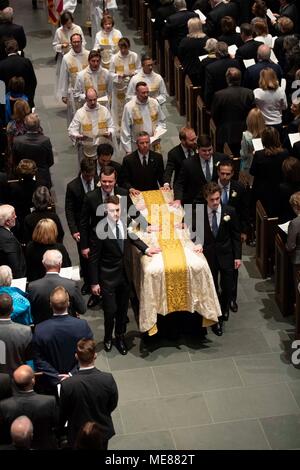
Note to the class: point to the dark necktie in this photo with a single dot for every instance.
(89, 187)
(225, 195)
(144, 161)
(189, 153)
(119, 237)
(207, 171)
(214, 224)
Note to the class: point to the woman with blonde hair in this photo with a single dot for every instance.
(44, 238)
(191, 47)
(270, 98)
(255, 126)
(267, 171)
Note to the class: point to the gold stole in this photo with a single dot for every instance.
(73, 67)
(87, 124)
(101, 84)
(138, 120)
(176, 272)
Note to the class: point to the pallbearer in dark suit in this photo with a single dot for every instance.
(222, 243)
(142, 170)
(104, 158)
(90, 395)
(235, 195)
(178, 154)
(75, 193)
(109, 271)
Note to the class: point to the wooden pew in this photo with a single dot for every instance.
(265, 240)
(191, 94)
(136, 12)
(213, 133)
(151, 35)
(143, 6)
(202, 117)
(169, 69)
(179, 86)
(284, 283)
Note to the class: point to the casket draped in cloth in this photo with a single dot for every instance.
(177, 279)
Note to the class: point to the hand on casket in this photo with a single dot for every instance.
(152, 251)
(198, 249)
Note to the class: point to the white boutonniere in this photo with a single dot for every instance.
(226, 218)
(217, 164)
(234, 194)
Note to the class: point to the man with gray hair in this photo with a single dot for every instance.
(39, 291)
(229, 110)
(36, 147)
(176, 26)
(11, 252)
(9, 30)
(252, 74)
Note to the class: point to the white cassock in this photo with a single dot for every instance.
(156, 85)
(109, 43)
(96, 14)
(100, 80)
(139, 117)
(122, 68)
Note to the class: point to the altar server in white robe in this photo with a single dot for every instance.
(107, 40)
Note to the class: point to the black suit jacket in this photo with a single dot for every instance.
(215, 79)
(90, 395)
(108, 264)
(17, 66)
(134, 175)
(40, 409)
(73, 203)
(54, 344)
(11, 253)
(89, 218)
(191, 179)
(238, 199)
(5, 386)
(213, 20)
(252, 74)
(247, 51)
(36, 147)
(175, 158)
(226, 247)
(229, 110)
(176, 28)
(39, 295)
(8, 31)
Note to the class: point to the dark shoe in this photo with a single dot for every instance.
(217, 329)
(85, 289)
(93, 301)
(233, 306)
(225, 315)
(107, 345)
(121, 346)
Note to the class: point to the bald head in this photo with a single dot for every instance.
(24, 378)
(263, 52)
(59, 300)
(21, 432)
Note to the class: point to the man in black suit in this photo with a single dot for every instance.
(109, 265)
(219, 10)
(235, 195)
(15, 337)
(249, 49)
(36, 147)
(16, 66)
(9, 30)
(252, 74)
(186, 148)
(55, 340)
(176, 26)
(76, 190)
(90, 395)
(11, 252)
(142, 170)
(104, 158)
(5, 386)
(229, 110)
(40, 409)
(196, 171)
(215, 73)
(222, 243)
(39, 291)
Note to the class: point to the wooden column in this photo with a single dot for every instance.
(284, 283)
(265, 241)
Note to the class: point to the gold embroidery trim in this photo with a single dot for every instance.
(176, 272)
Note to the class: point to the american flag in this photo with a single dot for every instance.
(55, 8)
